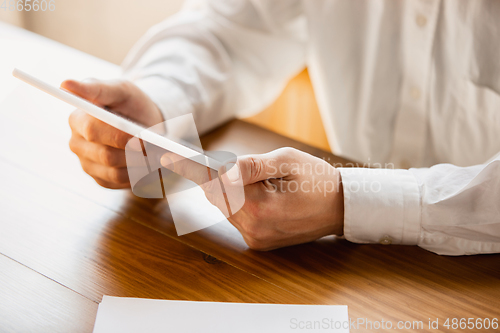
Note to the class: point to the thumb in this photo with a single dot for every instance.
(254, 168)
(99, 92)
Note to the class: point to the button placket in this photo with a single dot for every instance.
(409, 131)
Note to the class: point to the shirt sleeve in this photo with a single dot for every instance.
(445, 209)
(219, 59)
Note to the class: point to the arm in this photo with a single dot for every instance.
(444, 209)
(291, 197)
(220, 59)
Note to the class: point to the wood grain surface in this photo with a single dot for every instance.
(65, 242)
(96, 251)
(397, 283)
(32, 302)
(111, 242)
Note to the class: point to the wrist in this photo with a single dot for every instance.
(339, 208)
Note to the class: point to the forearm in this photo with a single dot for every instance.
(212, 64)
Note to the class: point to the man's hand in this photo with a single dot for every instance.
(99, 146)
(291, 197)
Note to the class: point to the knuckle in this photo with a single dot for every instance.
(119, 139)
(256, 167)
(85, 167)
(89, 130)
(288, 151)
(103, 183)
(72, 144)
(97, 89)
(117, 176)
(100, 182)
(107, 156)
(71, 119)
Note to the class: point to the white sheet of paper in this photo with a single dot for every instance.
(121, 314)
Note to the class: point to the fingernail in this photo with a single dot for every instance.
(233, 172)
(68, 83)
(134, 144)
(166, 162)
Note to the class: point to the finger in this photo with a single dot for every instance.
(95, 152)
(105, 155)
(108, 174)
(205, 177)
(188, 169)
(258, 205)
(94, 130)
(255, 168)
(233, 187)
(107, 93)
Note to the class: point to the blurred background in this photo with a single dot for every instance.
(108, 28)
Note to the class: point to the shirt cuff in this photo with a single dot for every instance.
(168, 96)
(381, 206)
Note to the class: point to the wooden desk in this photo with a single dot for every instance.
(65, 242)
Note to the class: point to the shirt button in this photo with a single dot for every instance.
(421, 20)
(415, 93)
(386, 240)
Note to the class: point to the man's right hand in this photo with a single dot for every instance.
(99, 146)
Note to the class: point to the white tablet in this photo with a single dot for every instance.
(119, 122)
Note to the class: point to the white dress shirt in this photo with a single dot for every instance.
(412, 83)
